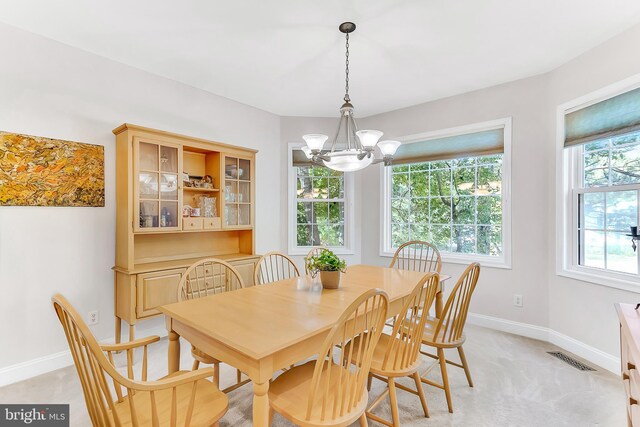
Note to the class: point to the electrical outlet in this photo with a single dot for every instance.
(93, 318)
(517, 300)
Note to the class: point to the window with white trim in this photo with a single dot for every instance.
(458, 202)
(599, 197)
(606, 198)
(319, 206)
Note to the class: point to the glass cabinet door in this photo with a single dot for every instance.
(237, 192)
(157, 189)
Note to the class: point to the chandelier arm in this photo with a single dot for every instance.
(335, 139)
(357, 144)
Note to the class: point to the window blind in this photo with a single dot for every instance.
(606, 119)
(452, 147)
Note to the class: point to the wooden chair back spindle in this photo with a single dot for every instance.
(417, 256)
(403, 350)
(208, 276)
(339, 378)
(274, 266)
(100, 379)
(454, 315)
(313, 252)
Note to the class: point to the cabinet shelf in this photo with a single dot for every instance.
(200, 190)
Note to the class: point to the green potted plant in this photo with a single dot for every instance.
(329, 266)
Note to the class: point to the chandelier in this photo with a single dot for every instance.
(351, 149)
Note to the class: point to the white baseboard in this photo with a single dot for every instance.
(580, 349)
(35, 367)
(42, 365)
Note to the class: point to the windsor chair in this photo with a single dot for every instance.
(275, 266)
(398, 355)
(205, 277)
(113, 400)
(417, 255)
(330, 391)
(447, 331)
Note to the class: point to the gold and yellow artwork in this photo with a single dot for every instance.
(37, 171)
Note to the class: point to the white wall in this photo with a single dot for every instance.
(494, 295)
(580, 310)
(583, 310)
(52, 90)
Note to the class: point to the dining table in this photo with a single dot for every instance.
(263, 329)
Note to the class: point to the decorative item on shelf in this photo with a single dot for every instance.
(207, 182)
(207, 206)
(329, 266)
(352, 149)
(166, 219)
(185, 179)
(186, 211)
(634, 237)
(195, 212)
(196, 181)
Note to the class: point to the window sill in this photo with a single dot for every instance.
(485, 261)
(602, 279)
(305, 251)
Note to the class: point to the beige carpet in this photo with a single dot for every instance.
(516, 384)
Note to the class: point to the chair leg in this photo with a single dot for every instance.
(423, 400)
(394, 402)
(196, 364)
(238, 376)
(369, 381)
(216, 374)
(465, 365)
(363, 421)
(270, 417)
(445, 377)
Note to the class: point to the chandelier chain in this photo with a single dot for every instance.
(346, 87)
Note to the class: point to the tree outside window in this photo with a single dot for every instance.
(455, 204)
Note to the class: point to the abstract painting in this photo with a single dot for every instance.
(37, 171)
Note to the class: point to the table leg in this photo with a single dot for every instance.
(439, 306)
(260, 404)
(174, 352)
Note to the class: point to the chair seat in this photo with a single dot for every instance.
(209, 406)
(379, 353)
(428, 337)
(202, 357)
(289, 395)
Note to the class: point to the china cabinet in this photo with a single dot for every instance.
(179, 199)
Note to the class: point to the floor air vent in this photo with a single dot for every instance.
(570, 360)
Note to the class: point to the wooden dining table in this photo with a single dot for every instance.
(263, 329)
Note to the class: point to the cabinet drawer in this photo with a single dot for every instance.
(156, 289)
(212, 223)
(192, 223)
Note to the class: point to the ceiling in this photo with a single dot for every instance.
(287, 56)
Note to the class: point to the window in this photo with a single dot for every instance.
(319, 207)
(459, 203)
(607, 203)
(600, 193)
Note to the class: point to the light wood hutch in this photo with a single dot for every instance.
(154, 243)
